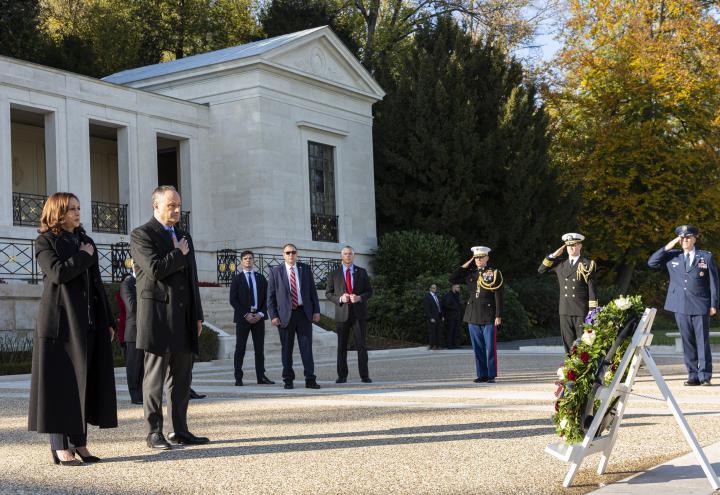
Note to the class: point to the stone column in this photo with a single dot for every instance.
(78, 176)
(6, 206)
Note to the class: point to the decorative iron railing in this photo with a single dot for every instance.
(324, 227)
(109, 217)
(228, 264)
(184, 223)
(17, 260)
(27, 209)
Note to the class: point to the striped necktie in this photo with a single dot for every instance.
(293, 288)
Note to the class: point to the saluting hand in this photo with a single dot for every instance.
(467, 263)
(559, 251)
(672, 243)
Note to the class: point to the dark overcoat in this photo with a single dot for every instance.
(67, 391)
(336, 288)
(168, 298)
(128, 296)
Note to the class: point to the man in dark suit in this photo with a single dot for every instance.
(248, 296)
(576, 276)
(433, 317)
(349, 288)
(134, 357)
(451, 308)
(293, 306)
(693, 297)
(169, 317)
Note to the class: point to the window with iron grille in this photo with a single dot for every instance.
(323, 218)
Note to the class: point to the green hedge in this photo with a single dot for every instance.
(208, 344)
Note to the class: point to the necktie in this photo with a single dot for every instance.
(348, 282)
(293, 288)
(252, 290)
(171, 231)
(687, 260)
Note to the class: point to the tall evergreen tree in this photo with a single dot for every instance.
(461, 149)
(20, 32)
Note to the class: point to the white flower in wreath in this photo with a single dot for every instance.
(588, 338)
(623, 303)
(561, 373)
(563, 423)
(608, 376)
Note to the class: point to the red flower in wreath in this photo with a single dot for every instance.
(584, 357)
(557, 406)
(573, 350)
(571, 376)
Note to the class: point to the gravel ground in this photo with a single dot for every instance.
(421, 428)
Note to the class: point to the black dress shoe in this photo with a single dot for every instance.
(88, 459)
(706, 383)
(195, 395)
(491, 380)
(136, 402)
(265, 381)
(238, 383)
(288, 385)
(691, 383)
(312, 384)
(482, 379)
(60, 462)
(341, 380)
(366, 380)
(186, 438)
(157, 441)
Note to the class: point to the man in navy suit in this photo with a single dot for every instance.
(693, 297)
(248, 296)
(293, 306)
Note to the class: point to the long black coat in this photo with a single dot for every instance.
(128, 294)
(168, 298)
(66, 390)
(361, 287)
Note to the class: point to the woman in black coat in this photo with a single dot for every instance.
(73, 381)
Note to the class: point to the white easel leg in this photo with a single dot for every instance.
(571, 474)
(680, 418)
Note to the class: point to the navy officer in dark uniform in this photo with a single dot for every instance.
(576, 276)
(693, 297)
(483, 312)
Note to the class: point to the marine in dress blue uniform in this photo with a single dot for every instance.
(693, 297)
(483, 312)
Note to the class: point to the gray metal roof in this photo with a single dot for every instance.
(226, 54)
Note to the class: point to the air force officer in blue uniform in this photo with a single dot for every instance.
(693, 297)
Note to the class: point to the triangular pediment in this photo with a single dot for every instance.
(324, 57)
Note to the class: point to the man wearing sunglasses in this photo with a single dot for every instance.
(293, 306)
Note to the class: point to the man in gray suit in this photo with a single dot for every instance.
(169, 317)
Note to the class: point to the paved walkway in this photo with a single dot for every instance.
(422, 427)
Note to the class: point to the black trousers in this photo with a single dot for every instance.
(302, 327)
(135, 369)
(242, 330)
(61, 441)
(434, 333)
(571, 328)
(359, 328)
(173, 370)
(452, 332)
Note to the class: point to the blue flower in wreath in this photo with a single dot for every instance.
(591, 317)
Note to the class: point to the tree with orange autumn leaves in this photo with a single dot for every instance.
(635, 107)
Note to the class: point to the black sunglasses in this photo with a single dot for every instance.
(290, 252)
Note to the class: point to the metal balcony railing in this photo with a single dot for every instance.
(109, 217)
(27, 209)
(324, 227)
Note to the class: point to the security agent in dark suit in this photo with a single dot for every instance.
(484, 309)
(451, 308)
(248, 296)
(134, 357)
(293, 306)
(433, 317)
(693, 297)
(349, 288)
(576, 276)
(169, 317)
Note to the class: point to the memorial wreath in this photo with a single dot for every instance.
(592, 362)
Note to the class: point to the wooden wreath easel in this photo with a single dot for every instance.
(637, 353)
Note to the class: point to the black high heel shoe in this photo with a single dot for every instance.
(57, 460)
(88, 459)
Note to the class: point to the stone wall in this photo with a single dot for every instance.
(18, 308)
